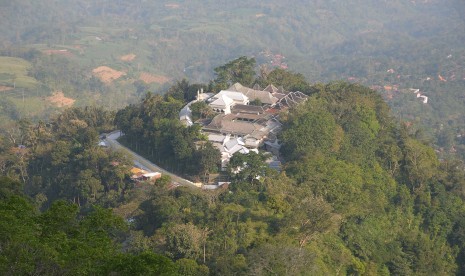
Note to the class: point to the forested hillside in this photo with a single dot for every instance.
(359, 193)
(372, 179)
(110, 53)
(65, 241)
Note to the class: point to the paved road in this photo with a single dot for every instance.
(139, 161)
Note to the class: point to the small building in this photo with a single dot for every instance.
(224, 185)
(151, 176)
(139, 175)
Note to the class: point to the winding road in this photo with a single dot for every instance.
(139, 161)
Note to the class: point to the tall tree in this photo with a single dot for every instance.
(288, 80)
(240, 70)
(209, 158)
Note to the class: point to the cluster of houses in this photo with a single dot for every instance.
(246, 118)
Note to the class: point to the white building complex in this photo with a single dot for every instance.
(240, 127)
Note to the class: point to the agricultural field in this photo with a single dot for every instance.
(149, 78)
(20, 94)
(14, 74)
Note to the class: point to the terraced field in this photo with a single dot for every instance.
(13, 73)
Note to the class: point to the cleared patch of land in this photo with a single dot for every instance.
(5, 88)
(61, 52)
(59, 99)
(129, 57)
(107, 74)
(173, 6)
(149, 78)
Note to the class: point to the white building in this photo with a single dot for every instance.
(225, 100)
(222, 104)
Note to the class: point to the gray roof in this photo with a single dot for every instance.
(271, 88)
(186, 111)
(264, 96)
(241, 108)
(291, 99)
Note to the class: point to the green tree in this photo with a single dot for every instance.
(184, 91)
(249, 167)
(309, 217)
(288, 80)
(190, 267)
(241, 70)
(89, 187)
(201, 110)
(281, 259)
(421, 163)
(145, 263)
(309, 129)
(208, 158)
(56, 242)
(184, 241)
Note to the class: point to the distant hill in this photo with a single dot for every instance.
(199, 35)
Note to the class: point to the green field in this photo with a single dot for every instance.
(13, 73)
(32, 106)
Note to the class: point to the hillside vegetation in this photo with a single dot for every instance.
(359, 193)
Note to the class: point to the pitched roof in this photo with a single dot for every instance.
(234, 95)
(237, 87)
(291, 99)
(233, 142)
(218, 138)
(239, 128)
(271, 88)
(264, 96)
(223, 100)
(185, 111)
(242, 108)
(136, 170)
(205, 96)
